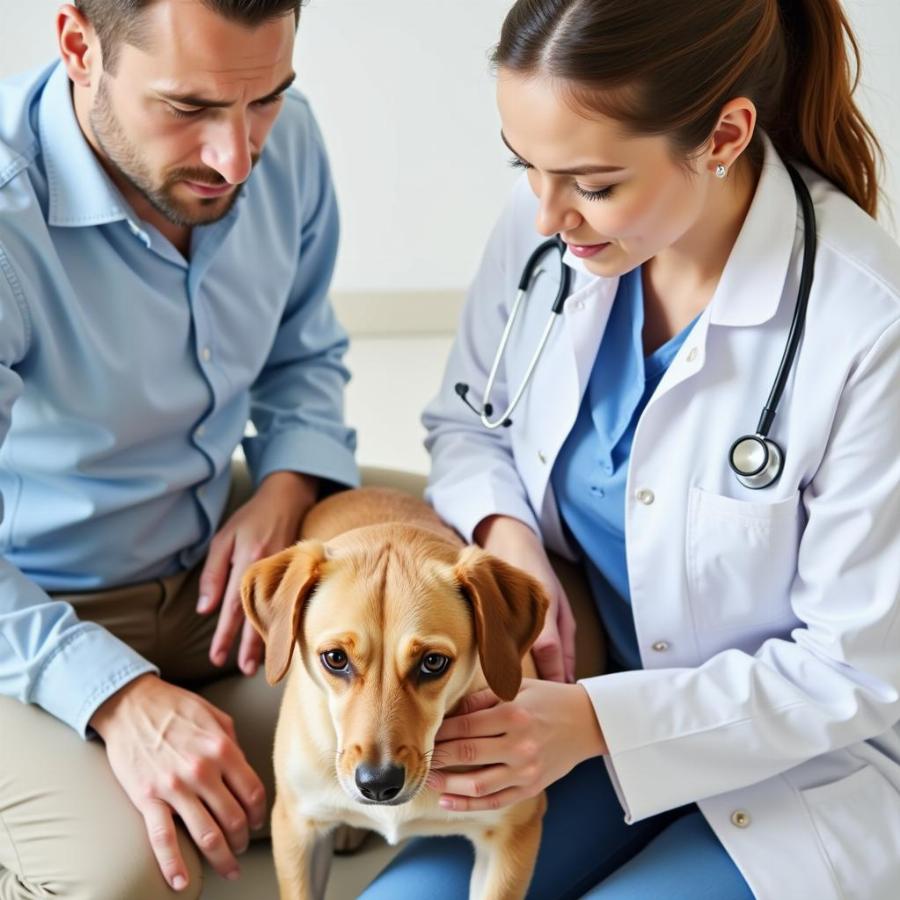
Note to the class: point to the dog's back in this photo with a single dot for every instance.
(348, 510)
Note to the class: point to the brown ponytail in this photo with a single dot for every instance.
(669, 68)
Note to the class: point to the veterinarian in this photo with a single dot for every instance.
(168, 231)
(746, 567)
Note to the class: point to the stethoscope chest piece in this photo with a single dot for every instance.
(756, 461)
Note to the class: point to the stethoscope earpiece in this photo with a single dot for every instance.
(756, 461)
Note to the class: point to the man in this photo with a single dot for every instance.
(168, 231)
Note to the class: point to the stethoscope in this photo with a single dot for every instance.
(755, 459)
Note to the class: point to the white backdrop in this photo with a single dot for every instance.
(404, 94)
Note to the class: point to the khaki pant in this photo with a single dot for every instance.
(67, 829)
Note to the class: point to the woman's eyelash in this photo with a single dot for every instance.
(601, 194)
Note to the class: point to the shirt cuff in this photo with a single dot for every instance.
(86, 668)
(305, 451)
(634, 781)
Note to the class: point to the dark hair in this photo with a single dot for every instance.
(119, 21)
(668, 67)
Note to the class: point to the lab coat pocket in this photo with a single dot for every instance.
(857, 820)
(741, 560)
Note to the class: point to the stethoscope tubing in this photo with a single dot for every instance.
(772, 457)
(554, 244)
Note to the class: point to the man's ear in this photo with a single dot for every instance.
(79, 46)
(509, 607)
(273, 592)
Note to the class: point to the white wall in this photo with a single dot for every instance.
(404, 94)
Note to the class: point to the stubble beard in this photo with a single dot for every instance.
(125, 158)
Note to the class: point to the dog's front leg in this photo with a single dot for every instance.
(505, 856)
(302, 851)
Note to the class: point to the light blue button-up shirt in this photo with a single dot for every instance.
(589, 475)
(128, 375)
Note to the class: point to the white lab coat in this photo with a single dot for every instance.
(767, 620)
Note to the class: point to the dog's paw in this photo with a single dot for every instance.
(348, 839)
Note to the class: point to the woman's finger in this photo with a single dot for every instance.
(548, 655)
(480, 782)
(475, 752)
(567, 631)
(490, 722)
(503, 798)
(476, 701)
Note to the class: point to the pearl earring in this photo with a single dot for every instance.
(721, 170)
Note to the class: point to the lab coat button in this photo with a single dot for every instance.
(661, 646)
(646, 497)
(740, 818)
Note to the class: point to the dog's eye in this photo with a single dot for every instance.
(336, 661)
(434, 664)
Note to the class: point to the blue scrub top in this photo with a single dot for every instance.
(589, 475)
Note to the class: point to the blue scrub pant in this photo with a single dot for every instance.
(587, 850)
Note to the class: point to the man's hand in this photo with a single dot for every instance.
(514, 542)
(265, 524)
(174, 753)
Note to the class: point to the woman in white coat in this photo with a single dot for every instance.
(745, 741)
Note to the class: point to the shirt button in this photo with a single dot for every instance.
(541, 457)
(206, 354)
(579, 304)
(199, 431)
(646, 497)
(740, 818)
(661, 646)
(692, 356)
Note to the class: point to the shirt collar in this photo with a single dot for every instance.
(81, 193)
(753, 280)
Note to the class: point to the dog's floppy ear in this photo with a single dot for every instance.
(509, 607)
(273, 592)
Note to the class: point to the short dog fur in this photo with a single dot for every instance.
(394, 621)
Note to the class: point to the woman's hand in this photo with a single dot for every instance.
(518, 748)
(515, 543)
(265, 524)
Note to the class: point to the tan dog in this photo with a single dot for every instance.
(395, 621)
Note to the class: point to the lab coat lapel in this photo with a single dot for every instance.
(752, 283)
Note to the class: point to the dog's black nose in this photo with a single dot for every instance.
(380, 783)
